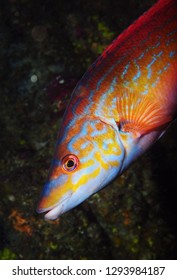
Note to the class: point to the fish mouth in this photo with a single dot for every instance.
(53, 212)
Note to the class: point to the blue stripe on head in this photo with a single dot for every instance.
(87, 170)
(53, 184)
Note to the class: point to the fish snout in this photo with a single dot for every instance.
(53, 211)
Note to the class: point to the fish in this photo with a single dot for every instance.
(122, 105)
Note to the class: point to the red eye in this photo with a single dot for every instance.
(70, 163)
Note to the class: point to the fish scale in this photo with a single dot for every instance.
(123, 104)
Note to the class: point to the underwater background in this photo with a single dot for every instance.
(45, 48)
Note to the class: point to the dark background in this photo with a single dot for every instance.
(45, 47)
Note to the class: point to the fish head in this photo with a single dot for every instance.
(88, 155)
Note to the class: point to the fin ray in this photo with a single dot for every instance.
(141, 114)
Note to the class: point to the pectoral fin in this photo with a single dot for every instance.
(142, 114)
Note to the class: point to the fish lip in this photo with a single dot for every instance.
(53, 212)
(49, 212)
(40, 210)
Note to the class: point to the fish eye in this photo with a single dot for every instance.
(70, 163)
